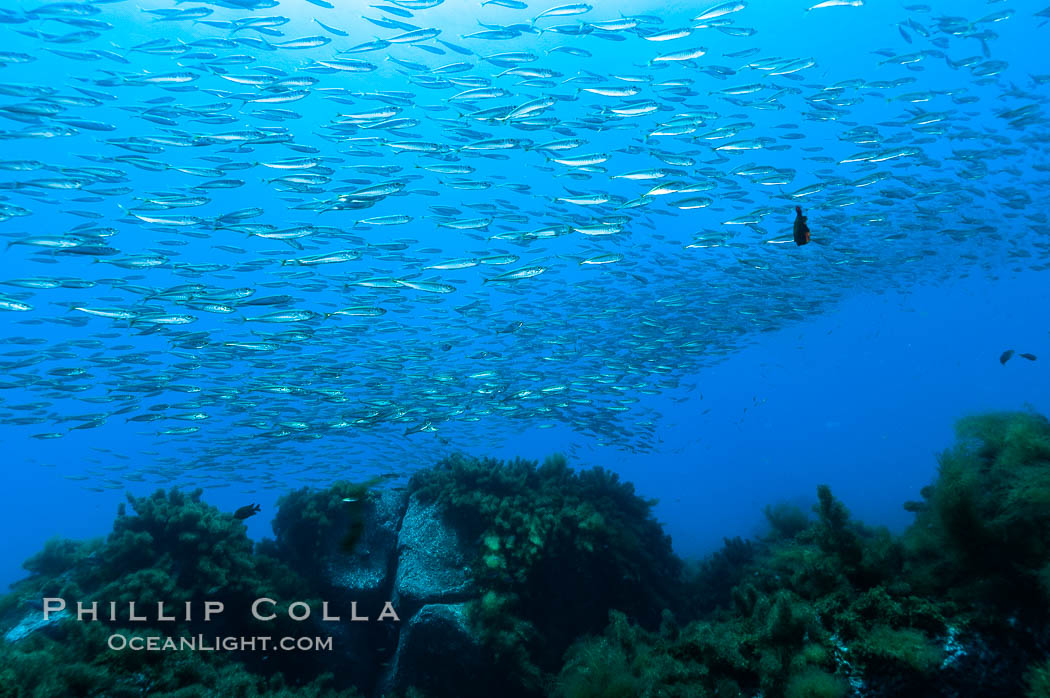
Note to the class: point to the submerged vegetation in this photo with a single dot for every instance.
(556, 549)
(825, 606)
(173, 548)
(75, 664)
(576, 593)
(983, 528)
(311, 524)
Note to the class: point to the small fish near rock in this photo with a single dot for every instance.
(246, 511)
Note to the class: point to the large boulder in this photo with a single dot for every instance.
(433, 561)
(407, 554)
(437, 651)
(438, 654)
(366, 572)
(365, 576)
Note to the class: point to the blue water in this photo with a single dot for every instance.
(719, 378)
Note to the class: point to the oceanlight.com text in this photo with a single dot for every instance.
(213, 643)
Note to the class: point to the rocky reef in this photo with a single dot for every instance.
(825, 607)
(174, 549)
(522, 580)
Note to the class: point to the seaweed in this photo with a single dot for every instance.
(983, 532)
(559, 548)
(312, 524)
(70, 666)
(810, 607)
(710, 581)
(171, 547)
(815, 683)
(627, 661)
(579, 593)
(1037, 681)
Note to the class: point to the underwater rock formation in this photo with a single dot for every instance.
(465, 622)
(439, 650)
(525, 580)
(827, 607)
(437, 647)
(433, 560)
(404, 552)
(320, 521)
(555, 549)
(174, 548)
(409, 554)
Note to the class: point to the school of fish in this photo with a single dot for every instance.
(287, 238)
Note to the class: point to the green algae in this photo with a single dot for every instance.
(580, 596)
(171, 547)
(1037, 681)
(556, 550)
(313, 523)
(984, 527)
(814, 683)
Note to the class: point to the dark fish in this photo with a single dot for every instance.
(1005, 356)
(246, 511)
(801, 231)
(1030, 357)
